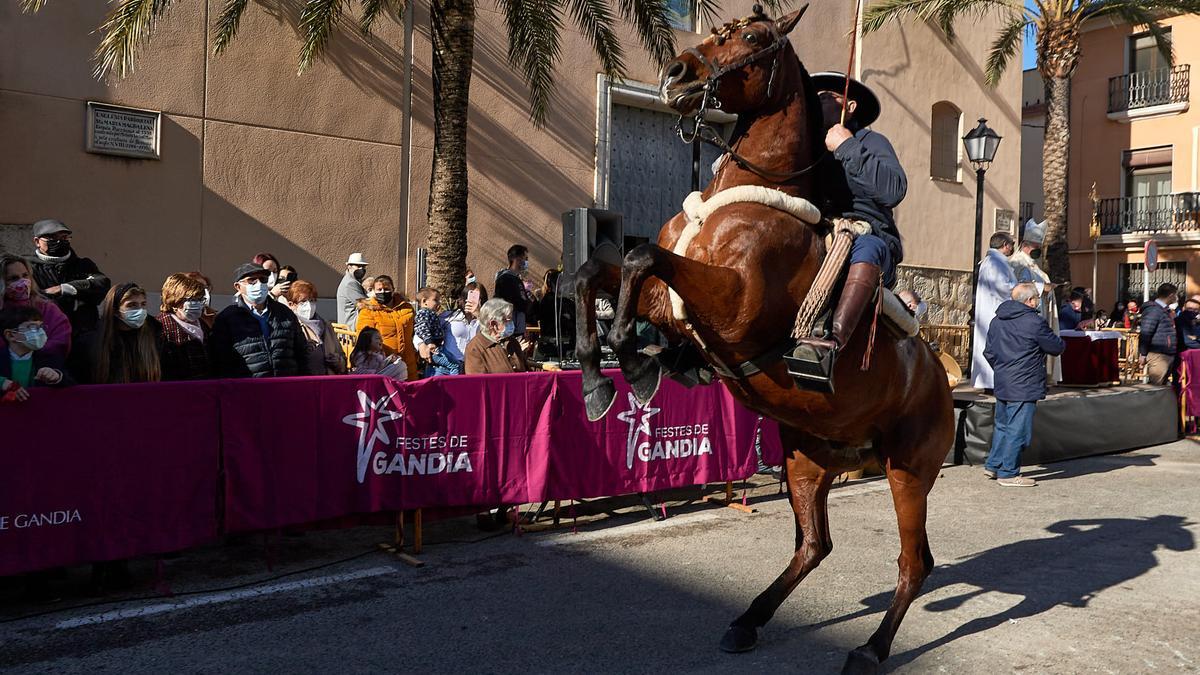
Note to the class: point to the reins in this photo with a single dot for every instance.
(703, 131)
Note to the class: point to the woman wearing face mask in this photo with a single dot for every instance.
(209, 315)
(20, 290)
(494, 350)
(184, 349)
(124, 347)
(325, 355)
(389, 313)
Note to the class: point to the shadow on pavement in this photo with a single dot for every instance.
(1090, 466)
(1087, 557)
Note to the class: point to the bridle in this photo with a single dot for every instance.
(703, 131)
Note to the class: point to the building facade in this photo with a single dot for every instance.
(1033, 134)
(1136, 138)
(254, 158)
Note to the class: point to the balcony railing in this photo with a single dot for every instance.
(1148, 88)
(1158, 214)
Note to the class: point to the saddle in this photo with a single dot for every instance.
(686, 363)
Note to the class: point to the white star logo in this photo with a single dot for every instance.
(638, 418)
(370, 419)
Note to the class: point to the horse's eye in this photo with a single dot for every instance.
(750, 37)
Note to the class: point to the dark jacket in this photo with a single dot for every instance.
(84, 276)
(183, 357)
(1157, 331)
(1068, 318)
(510, 287)
(1017, 343)
(1189, 332)
(238, 348)
(870, 184)
(85, 354)
(40, 360)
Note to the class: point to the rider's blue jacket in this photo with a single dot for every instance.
(870, 184)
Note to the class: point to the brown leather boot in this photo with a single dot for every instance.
(811, 363)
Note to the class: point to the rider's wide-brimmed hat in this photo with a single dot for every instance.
(868, 104)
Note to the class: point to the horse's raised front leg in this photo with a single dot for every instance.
(598, 390)
(808, 491)
(710, 298)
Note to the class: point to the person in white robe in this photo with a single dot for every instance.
(1025, 267)
(996, 281)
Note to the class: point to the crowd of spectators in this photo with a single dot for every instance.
(62, 322)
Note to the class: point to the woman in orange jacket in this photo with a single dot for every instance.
(387, 312)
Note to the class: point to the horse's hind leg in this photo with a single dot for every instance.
(808, 491)
(910, 489)
(709, 292)
(598, 390)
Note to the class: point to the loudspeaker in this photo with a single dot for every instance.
(592, 233)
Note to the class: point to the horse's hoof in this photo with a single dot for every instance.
(861, 661)
(739, 639)
(646, 381)
(600, 399)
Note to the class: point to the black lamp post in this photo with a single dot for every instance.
(981, 144)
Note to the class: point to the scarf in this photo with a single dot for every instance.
(192, 329)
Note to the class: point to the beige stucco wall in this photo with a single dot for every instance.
(1098, 142)
(311, 168)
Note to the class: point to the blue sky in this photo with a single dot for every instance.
(1030, 54)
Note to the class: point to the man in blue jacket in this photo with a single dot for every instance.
(1159, 342)
(865, 184)
(1017, 344)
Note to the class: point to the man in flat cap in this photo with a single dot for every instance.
(75, 284)
(257, 336)
(870, 184)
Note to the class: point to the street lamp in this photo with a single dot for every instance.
(981, 144)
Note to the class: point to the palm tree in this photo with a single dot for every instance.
(1056, 25)
(534, 48)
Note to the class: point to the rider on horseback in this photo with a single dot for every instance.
(867, 184)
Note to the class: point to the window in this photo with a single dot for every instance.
(682, 14)
(1144, 54)
(945, 142)
(1130, 275)
(1147, 187)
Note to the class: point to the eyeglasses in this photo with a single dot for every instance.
(60, 236)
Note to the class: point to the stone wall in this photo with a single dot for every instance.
(16, 239)
(948, 292)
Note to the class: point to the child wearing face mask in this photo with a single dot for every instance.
(23, 365)
(184, 350)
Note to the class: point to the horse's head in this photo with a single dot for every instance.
(737, 68)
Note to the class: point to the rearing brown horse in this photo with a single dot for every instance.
(741, 279)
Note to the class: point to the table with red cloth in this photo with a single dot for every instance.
(1090, 357)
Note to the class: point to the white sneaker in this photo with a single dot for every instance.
(1016, 481)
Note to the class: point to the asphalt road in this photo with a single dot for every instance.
(1095, 570)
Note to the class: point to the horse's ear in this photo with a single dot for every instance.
(787, 23)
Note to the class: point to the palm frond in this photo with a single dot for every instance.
(373, 8)
(124, 32)
(534, 47)
(1088, 9)
(227, 24)
(596, 20)
(650, 20)
(941, 12)
(31, 6)
(318, 19)
(1004, 48)
(1136, 16)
